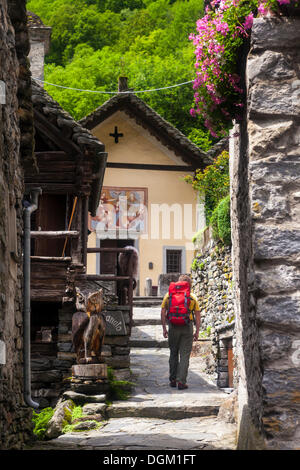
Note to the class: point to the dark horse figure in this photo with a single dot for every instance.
(128, 266)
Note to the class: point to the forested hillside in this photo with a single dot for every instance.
(95, 41)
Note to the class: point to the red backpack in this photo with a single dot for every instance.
(179, 301)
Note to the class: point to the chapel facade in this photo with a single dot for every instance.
(145, 201)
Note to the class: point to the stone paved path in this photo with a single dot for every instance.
(157, 416)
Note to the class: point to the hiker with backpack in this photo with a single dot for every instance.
(180, 308)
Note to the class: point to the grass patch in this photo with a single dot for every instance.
(40, 421)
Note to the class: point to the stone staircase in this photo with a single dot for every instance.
(153, 301)
(152, 396)
(147, 331)
(156, 416)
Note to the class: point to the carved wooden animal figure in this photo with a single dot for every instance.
(88, 327)
(80, 321)
(128, 266)
(94, 333)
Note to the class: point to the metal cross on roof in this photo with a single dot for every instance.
(116, 135)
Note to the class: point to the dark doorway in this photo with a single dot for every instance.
(44, 328)
(108, 261)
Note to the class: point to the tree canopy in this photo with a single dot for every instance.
(95, 41)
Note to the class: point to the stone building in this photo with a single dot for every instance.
(40, 36)
(71, 164)
(16, 153)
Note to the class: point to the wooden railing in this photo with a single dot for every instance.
(108, 277)
(53, 235)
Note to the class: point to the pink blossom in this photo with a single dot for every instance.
(283, 2)
(262, 9)
(249, 20)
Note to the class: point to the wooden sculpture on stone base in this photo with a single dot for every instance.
(88, 327)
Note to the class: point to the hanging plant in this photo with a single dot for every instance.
(221, 33)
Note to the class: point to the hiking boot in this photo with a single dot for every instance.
(182, 386)
(173, 383)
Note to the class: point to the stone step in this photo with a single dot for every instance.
(146, 316)
(156, 416)
(147, 336)
(149, 297)
(152, 397)
(81, 398)
(170, 410)
(147, 301)
(151, 343)
(147, 434)
(146, 304)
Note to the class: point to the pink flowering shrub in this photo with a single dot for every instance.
(221, 33)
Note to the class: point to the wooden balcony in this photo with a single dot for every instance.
(49, 273)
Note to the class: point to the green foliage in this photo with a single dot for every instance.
(77, 413)
(119, 389)
(198, 235)
(196, 266)
(94, 41)
(213, 181)
(201, 138)
(41, 421)
(220, 221)
(205, 333)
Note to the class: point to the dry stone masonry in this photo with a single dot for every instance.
(16, 140)
(212, 284)
(52, 368)
(266, 238)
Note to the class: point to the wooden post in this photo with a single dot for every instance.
(70, 223)
(130, 300)
(85, 229)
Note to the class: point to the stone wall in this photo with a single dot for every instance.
(212, 284)
(15, 416)
(266, 242)
(52, 361)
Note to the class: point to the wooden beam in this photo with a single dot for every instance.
(53, 234)
(101, 277)
(51, 188)
(147, 167)
(107, 250)
(54, 155)
(53, 133)
(50, 258)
